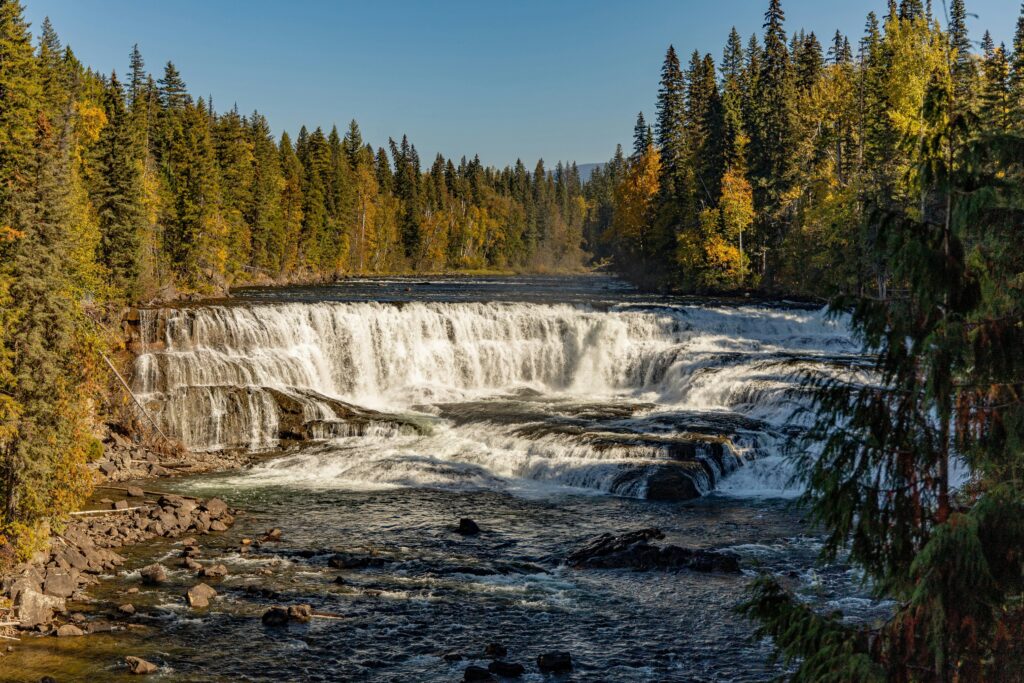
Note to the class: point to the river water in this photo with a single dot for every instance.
(548, 409)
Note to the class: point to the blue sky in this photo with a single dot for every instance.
(558, 79)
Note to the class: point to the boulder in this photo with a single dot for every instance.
(300, 613)
(119, 505)
(477, 673)
(136, 492)
(467, 527)
(506, 669)
(59, 583)
(495, 650)
(139, 666)
(191, 565)
(216, 507)
(275, 616)
(199, 596)
(107, 468)
(69, 630)
(633, 550)
(217, 525)
(350, 561)
(127, 608)
(35, 609)
(153, 574)
(214, 571)
(554, 662)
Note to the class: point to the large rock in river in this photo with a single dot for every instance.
(634, 550)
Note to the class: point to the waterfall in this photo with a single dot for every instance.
(243, 376)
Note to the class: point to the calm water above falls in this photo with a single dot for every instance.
(547, 409)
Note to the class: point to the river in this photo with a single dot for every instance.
(547, 409)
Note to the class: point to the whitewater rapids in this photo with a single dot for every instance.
(505, 395)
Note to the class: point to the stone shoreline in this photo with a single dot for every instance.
(35, 596)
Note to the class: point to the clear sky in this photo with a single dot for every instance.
(558, 79)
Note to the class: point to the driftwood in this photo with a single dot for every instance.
(327, 615)
(10, 623)
(148, 493)
(113, 510)
(135, 398)
(11, 638)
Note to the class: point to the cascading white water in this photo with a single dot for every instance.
(210, 373)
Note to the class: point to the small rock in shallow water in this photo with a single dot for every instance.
(127, 608)
(300, 613)
(272, 535)
(213, 571)
(199, 596)
(275, 616)
(495, 650)
(135, 492)
(139, 666)
(153, 574)
(477, 673)
(69, 630)
(467, 527)
(555, 662)
(506, 669)
(453, 657)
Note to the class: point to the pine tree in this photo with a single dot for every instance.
(996, 109)
(173, 93)
(670, 127)
(263, 213)
(119, 203)
(45, 351)
(772, 145)
(1017, 70)
(732, 96)
(353, 143)
(963, 64)
(642, 135)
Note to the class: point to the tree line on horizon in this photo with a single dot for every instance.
(760, 170)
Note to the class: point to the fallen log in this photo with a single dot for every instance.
(148, 493)
(110, 511)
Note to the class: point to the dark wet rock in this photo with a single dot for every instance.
(477, 673)
(199, 596)
(47, 679)
(452, 657)
(139, 666)
(352, 561)
(495, 650)
(275, 616)
(339, 581)
(506, 669)
(300, 613)
(153, 574)
(633, 550)
(554, 662)
(467, 527)
(675, 482)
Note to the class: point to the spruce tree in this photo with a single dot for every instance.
(1017, 71)
(772, 144)
(641, 135)
(119, 202)
(963, 64)
(671, 126)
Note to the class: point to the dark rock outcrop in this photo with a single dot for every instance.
(467, 527)
(555, 662)
(634, 550)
